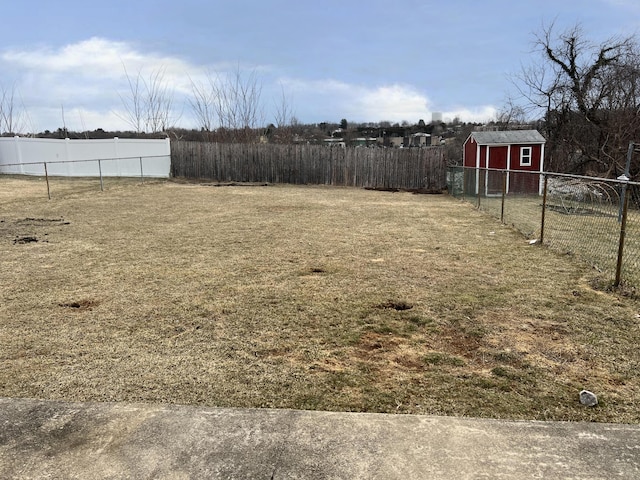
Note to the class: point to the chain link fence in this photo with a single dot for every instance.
(78, 175)
(594, 219)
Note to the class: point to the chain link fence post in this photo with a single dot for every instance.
(544, 207)
(46, 176)
(504, 194)
(100, 172)
(623, 224)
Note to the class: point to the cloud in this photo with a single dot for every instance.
(79, 119)
(96, 57)
(358, 103)
(394, 102)
(480, 114)
(87, 80)
(94, 54)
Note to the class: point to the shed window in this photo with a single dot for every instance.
(525, 156)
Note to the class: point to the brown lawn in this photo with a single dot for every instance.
(300, 297)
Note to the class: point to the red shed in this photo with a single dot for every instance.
(512, 150)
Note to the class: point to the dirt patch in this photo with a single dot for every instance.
(79, 305)
(42, 221)
(234, 184)
(426, 191)
(26, 239)
(207, 183)
(417, 191)
(399, 305)
(30, 229)
(458, 341)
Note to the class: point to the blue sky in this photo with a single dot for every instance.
(365, 61)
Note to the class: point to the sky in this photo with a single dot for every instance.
(365, 61)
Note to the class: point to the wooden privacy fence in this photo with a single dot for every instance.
(415, 168)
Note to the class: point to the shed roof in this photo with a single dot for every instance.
(507, 137)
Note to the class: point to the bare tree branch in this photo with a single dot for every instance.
(229, 103)
(586, 93)
(148, 103)
(13, 116)
(202, 103)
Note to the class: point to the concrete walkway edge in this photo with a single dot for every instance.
(62, 440)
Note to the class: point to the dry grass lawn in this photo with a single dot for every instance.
(300, 297)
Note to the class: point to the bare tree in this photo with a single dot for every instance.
(238, 105)
(511, 115)
(158, 102)
(148, 102)
(228, 108)
(589, 97)
(284, 113)
(229, 103)
(133, 102)
(284, 118)
(13, 116)
(202, 103)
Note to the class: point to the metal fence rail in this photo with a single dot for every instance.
(594, 219)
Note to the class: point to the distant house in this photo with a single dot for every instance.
(420, 139)
(512, 150)
(335, 142)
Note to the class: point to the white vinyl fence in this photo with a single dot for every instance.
(116, 157)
